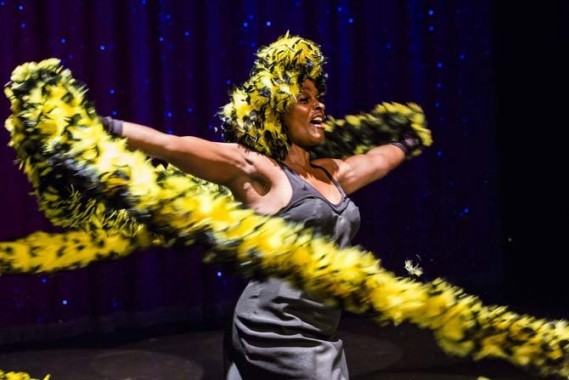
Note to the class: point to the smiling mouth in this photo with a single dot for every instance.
(317, 122)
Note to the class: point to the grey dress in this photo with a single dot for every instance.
(279, 332)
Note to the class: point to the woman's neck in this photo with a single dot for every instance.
(297, 156)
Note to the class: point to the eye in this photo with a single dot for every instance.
(303, 99)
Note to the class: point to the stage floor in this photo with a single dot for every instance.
(373, 352)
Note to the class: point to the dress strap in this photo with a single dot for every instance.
(336, 183)
(301, 189)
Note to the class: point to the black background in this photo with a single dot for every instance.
(533, 120)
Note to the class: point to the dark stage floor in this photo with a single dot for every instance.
(373, 353)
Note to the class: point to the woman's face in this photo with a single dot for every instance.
(304, 118)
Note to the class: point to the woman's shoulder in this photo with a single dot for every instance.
(332, 165)
(260, 167)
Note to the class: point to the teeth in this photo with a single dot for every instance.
(317, 121)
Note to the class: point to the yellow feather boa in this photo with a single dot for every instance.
(18, 376)
(51, 118)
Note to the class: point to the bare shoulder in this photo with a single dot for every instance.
(342, 171)
(258, 163)
(264, 187)
(334, 166)
(252, 163)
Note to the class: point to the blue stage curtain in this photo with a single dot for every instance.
(170, 64)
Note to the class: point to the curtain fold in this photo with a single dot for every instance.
(170, 64)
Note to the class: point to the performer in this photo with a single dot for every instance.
(271, 124)
(85, 179)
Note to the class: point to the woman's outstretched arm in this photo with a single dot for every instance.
(221, 163)
(357, 171)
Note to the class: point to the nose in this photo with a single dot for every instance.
(319, 106)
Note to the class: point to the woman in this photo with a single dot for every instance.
(85, 180)
(272, 122)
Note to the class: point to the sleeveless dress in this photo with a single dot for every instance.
(278, 331)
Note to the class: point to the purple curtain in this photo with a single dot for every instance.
(170, 64)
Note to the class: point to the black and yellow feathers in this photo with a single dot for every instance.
(57, 131)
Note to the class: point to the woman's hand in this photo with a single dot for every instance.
(112, 126)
